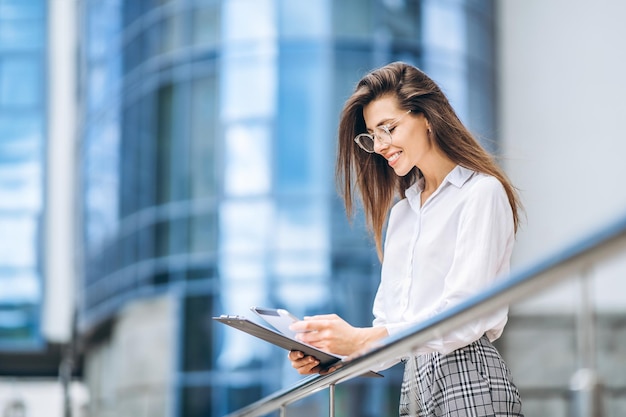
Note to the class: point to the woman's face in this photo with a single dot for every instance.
(410, 144)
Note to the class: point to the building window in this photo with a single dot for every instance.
(22, 164)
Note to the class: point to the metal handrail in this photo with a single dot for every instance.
(521, 283)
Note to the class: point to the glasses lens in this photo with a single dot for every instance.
(365, 141)
(383, 135)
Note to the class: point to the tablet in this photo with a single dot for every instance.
(279, 319)
(281, 340)
(244, 324)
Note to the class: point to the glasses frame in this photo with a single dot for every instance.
(386, 129)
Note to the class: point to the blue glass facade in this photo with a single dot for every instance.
(22, 164)
(208, 148)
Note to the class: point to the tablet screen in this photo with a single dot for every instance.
(279, 319)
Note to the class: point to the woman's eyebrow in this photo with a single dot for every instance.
(386, 121)
(383, 122)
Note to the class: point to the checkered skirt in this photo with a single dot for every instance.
(472, 381)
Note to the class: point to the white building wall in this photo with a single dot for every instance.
(562, 90)
(40, 397)
(132, 373)
(562, 109)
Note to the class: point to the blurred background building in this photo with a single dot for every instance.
(23, 52)
(37, 276)
(166, 161)
(206, 155)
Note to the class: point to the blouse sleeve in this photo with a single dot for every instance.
(380, 319)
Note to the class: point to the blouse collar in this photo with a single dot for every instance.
(457, 177)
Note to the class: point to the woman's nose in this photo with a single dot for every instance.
(379, 145)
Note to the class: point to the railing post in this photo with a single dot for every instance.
(586, 324)
(586, 394)
(331, 400)
(283, 410)
(585, 387)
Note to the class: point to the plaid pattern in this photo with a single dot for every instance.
(472, 381)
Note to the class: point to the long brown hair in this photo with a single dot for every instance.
(375, 181)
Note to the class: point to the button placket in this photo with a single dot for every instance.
(408, 281)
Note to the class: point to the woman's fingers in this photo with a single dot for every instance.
(331, 369)
(304, 364)
(312, 337)
(307, 365)
(295, 355)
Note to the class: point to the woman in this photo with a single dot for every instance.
(449, 236)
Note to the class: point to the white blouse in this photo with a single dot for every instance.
(439, 254)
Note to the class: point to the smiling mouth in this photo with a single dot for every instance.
(394, 157)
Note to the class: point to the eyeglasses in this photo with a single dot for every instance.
(383, 133)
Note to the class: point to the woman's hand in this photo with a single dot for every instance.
(331, 333)
(305, 365)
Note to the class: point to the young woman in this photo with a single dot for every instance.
(449, 235)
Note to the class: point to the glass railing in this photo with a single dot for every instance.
(568, 264)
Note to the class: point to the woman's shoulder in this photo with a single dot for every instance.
(484, 185)
(484, 181)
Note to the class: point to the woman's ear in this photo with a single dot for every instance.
(428, 128)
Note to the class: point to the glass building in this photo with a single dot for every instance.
(207, 152)
(22, 167)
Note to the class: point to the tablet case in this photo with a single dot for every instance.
(244, 324)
